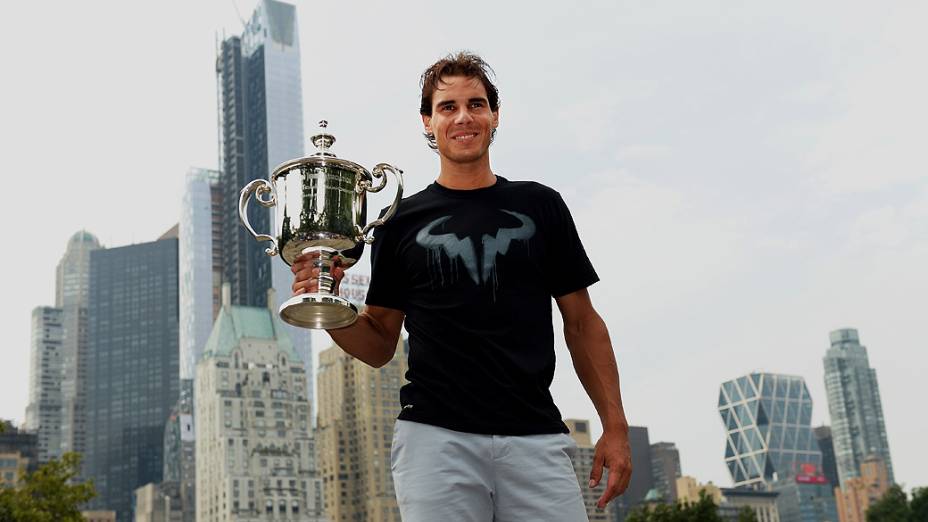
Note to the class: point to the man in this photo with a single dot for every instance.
(471, 263)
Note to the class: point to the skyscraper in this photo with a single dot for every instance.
(358, 406)
(261, 120)
(72, 287)
(200, 259)
(857, 423)
(826, 446)
(582, 461)
(43, 414)
(767, 419)
(255, 458)
(665, 465)
(132, 368)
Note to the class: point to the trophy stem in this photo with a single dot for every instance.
(325, 264)
(322, 309)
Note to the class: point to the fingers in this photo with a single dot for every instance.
(612, 490)
(596, 474)
(306, 272)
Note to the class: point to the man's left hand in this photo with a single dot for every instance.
(614, 453)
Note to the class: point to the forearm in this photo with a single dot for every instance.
(594, 361)
(368, 340)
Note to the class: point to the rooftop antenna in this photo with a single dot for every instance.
(238, 13)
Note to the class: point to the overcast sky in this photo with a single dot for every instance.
(746, 176)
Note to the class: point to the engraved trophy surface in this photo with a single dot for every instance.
(321, 207)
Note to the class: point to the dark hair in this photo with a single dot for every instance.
(462, 63)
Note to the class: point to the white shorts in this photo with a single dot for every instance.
(449, 476)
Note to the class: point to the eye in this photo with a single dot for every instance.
(447, 108)
(476, 105)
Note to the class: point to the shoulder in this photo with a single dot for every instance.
(532, 189)
(408, 202)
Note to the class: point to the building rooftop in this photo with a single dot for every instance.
(235, 323)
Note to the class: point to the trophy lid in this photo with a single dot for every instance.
(322, 157)
(323, 141)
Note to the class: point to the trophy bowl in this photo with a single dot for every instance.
(321, 207)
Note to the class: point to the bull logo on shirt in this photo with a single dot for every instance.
(464, 250)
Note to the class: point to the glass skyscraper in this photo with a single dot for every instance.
(261, 120)
(44, 414)
(132, 368)
(767, 419)
(200, 258)
(72, 284)
(857, 425)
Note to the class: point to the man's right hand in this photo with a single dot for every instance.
(305, 270)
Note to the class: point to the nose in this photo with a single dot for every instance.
(463, 116)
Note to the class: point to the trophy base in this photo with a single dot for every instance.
(318, 311)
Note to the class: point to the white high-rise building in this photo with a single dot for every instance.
(255, 457)
(199, 258)
(72, 290)
(43, 414)
(857, 425)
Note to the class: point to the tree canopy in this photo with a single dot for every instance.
(47, 494)
(896, 507)
(704, 510)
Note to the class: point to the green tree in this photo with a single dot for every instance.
(894, 507)
(704, 510)
(919, 504)
(747, 514)
(47, 494)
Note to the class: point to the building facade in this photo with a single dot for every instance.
(762, 503)
(132, 368)
(767, 419)
(261, 123)
(44, 414)
(857, 424)
(255, 457)
(857, 494)
(200, 260)
(19, 452)
(665, 465)
(582, 461)
(72, 291)
(805, 496)
(358, 407)
(180, 454)
(826, 446)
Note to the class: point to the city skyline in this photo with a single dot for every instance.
(730, 175)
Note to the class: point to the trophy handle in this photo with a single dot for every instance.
(257, 187)
(365, 234)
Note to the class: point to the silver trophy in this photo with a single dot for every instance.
(321, 205)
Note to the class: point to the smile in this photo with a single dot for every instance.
(465, 137)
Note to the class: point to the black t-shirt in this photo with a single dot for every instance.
(474, 271)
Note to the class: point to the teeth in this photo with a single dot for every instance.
(464, 137)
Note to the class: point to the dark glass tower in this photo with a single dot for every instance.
(826, 446)
(132, 368)
(261, 119)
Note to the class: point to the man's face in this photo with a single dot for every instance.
(461, 119)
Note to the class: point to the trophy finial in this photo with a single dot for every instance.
(323, 140)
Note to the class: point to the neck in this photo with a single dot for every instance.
(466, 176)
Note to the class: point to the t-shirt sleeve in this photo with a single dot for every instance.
(386, 287)
(567, 267)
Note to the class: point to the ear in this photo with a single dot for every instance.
(427, 123)
(496, 119)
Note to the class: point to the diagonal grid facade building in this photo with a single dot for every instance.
(767, 419)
